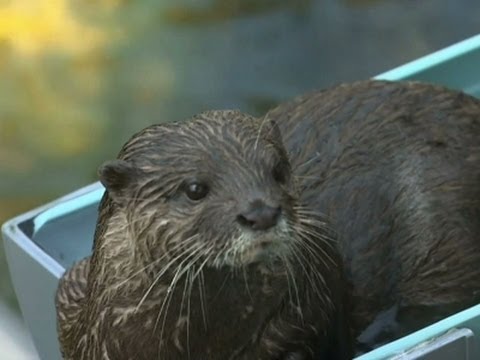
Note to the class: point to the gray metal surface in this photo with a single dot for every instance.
(39, 245)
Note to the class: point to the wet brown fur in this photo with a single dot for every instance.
(140, 304)
(395, 169)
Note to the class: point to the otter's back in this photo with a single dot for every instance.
(396, 168)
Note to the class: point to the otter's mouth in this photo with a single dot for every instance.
(270, 245)
(262, 252)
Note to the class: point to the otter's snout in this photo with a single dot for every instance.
(259, 216)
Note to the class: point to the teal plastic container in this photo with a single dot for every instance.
(42, 243)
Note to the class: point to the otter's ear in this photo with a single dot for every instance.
(271, 130)
(118, 176)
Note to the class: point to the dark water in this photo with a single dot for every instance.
(77, 78)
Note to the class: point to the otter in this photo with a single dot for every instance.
(347, 213)
(204, 249)
(395, 167)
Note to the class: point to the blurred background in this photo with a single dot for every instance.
(78, 77)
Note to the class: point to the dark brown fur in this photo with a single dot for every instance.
(235, 300)
(395, 167)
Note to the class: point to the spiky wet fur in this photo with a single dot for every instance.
(173, 279)
(393, 167)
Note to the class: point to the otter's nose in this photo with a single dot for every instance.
(259, 216)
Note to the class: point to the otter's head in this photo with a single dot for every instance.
(215, 190)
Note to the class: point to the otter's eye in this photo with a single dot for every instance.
(196, 191)
(280, 173)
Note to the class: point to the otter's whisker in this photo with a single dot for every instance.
(313, 285)
(191, 264)
(314, 216)
(317, 234)
(308, 243)
(291, 275)
(244, 271)
(303, 232)
(323, 218)
(185, 285)
(201, 283)
(201, 289)
(192, 258)
(313, 259)
(216, 262)
(163, 271)
(166, 302)
(301, 260)
(154, 262)
(178, 274)
(206, 253)
(190, 285)
(163, 311)
(313, 248)
(299, 226)
(322, 227)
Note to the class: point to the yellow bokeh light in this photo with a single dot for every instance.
(52, 121)
(32, 26)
